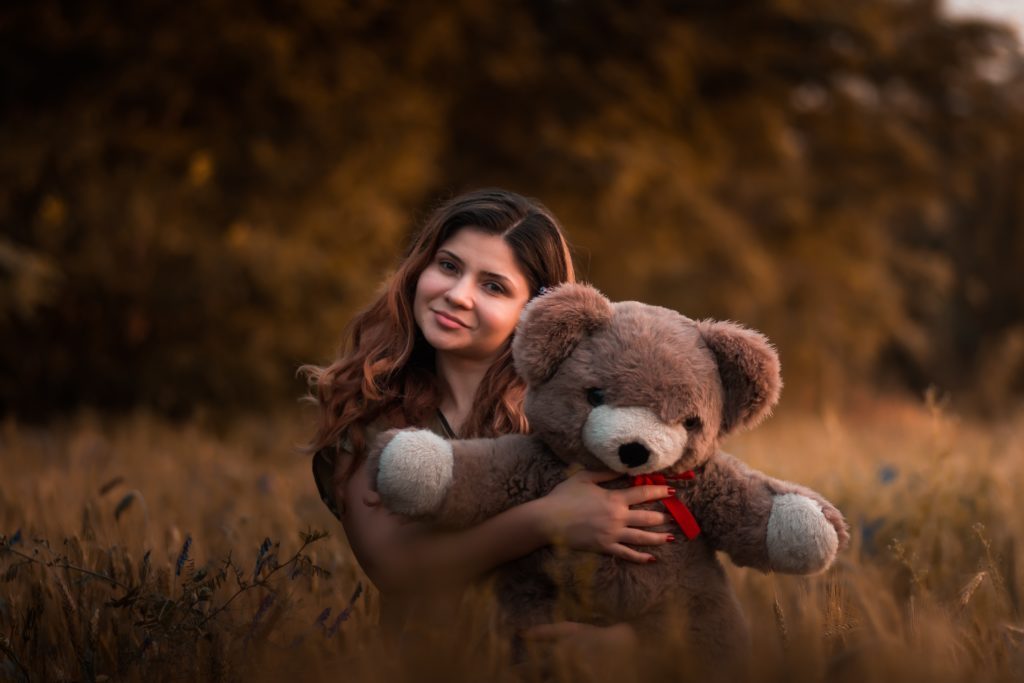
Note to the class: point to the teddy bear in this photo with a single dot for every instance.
(649, 393)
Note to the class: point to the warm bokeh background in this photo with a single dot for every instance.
(195, 197)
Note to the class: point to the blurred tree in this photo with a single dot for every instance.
(213, 188)
(806, 167)
(193, 200)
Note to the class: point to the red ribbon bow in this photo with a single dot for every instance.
(684, 518)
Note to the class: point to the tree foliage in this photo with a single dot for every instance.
(193, 200)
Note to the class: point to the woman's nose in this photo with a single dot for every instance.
(460, 293)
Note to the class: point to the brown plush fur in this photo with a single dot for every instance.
(547, 334)
(715, 377)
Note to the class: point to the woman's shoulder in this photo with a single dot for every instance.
(325, 460)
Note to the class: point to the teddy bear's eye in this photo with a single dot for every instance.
(692, 423)
(595, 397)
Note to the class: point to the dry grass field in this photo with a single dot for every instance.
(139, 550)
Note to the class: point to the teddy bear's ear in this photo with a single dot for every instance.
(749, 367)
(552, 325)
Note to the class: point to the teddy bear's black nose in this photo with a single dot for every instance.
(633, 454)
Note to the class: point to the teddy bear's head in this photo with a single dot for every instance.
(637, 388)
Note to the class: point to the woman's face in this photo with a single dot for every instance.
(468, 299)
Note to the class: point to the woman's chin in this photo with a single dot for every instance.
(443, 340)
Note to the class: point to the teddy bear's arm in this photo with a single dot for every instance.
(458, 483)
(767, 523)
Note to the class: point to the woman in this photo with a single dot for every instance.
(434, 351)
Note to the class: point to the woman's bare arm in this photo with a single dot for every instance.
(399, 555)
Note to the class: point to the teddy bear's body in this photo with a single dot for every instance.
(644, 391)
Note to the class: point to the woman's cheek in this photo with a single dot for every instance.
(431, 283)
(503, 321)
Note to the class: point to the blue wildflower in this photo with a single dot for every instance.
(261, 557)
(183, 556)
(264, 606)
(343, 615)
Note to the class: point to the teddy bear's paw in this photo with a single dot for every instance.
(415, 472)
(800, 539)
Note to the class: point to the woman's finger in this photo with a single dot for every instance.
(625, 553)
(638, 537)
(642, 494)
(646, 518)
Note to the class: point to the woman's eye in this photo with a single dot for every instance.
(595, 397)
(692, 423)
(447, 266)
(494, 288)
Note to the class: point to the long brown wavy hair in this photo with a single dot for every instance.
(385, 370)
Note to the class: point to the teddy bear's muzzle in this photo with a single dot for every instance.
(633, 439)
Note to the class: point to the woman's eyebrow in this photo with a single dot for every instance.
(449, 254)
(506, 282)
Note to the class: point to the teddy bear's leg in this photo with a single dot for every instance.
(800, 539)
(706, 631)
(415, 472)
(720, 646)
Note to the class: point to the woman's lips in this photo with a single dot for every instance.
(448, 322)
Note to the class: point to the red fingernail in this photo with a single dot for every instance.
(651, 559)
(671, 538)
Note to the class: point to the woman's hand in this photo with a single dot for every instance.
(584, 516)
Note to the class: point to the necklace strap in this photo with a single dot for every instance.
(448, 431)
